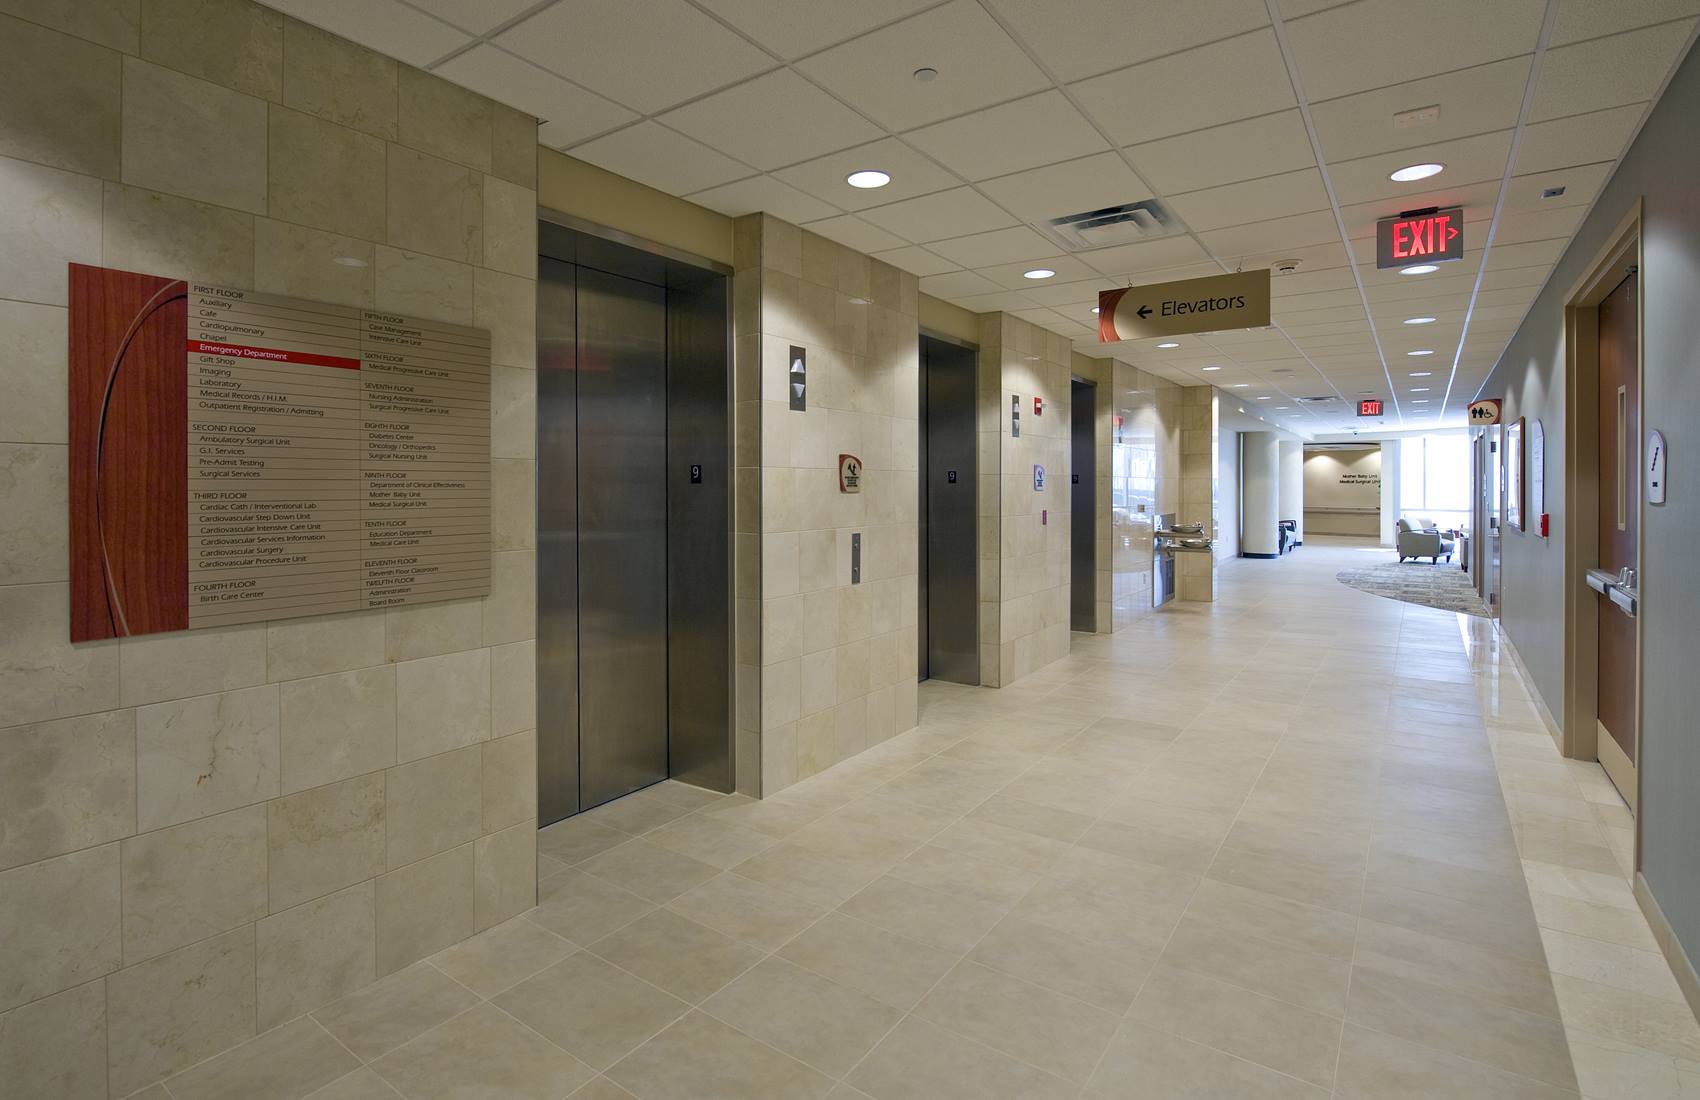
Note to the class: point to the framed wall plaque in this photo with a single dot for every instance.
(237, 457)
(1514, 479)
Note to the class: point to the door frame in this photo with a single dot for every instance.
(1581, 739)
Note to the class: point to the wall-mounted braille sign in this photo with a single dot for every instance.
(1211, 304)
(799, 379)
(237, 457)
(1420, 237)
(849, 474)
(1656, 462)
(1038, 479)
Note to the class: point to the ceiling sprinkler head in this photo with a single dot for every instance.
(925, 74)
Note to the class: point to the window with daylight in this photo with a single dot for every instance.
(1434, 479)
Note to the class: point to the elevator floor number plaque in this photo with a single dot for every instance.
(238, 456)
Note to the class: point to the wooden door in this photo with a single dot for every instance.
(1619, 519)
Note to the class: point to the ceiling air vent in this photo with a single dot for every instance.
(1320, 399)
(1129, 223)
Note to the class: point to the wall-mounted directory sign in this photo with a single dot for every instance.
(238, 456)
(1429, 237)
(1211, 304)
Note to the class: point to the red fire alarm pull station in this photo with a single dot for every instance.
(1370, 406)
(1420, 237)
(1038, 406)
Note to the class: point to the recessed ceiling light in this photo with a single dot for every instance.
(1419, 320)
(1265, 397)
(1094, 309)
(1241, 385)
(1421, 373)
(1421, 351)
(926, 73)
(1419, 389)
(1212, 368)
(349, 261)
(1417, 172)
(1038, 273)
(1169, 344)
(1278, 408)
(868, 178)
(1418, 269)
(1419, 401)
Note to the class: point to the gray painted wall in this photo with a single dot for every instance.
(1661, 168)
(1227, 494)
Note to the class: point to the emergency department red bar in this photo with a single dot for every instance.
(272, 355)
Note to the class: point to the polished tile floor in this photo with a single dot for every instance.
(1303, 842)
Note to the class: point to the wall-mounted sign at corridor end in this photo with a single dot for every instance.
(1370, 406)
(849, 474)
(1425, 237)
(1485, 413)
(1212, 304)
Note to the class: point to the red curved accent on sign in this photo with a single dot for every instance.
(1107, 314)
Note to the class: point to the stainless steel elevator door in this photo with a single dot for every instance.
(622, 535)
(1083, 520)
(557, 540)
(949, 592)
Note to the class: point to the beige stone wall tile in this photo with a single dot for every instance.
(312, 954)
(428, 630)
(513, 504)
(507, 306)
(66, 785)
(321, 644)
(160, 234)
(154, 667)
(62, 924)
(194, 880)
(424, 286)
(42, 675)
(444, 119)
(56, 1047)
(325, 839)
(231, 42)
(424, 907)
(34, 540)
(114, 24)
(304, 263)
(513, 145)
(59, 99)
(505, 874)
(326, 176)
(513, 687)
(432, 805)
(194, 139)
(510, 227)
(337, 726)
(201, 756)
(510, 611)
(442, 703)
(171, 1012)
(338, 80)
(48, 218)
(33, 372)
(509, 767)
(513, 412)
(434, 206)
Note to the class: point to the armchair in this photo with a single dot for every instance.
(1412, 542)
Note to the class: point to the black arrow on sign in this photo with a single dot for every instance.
(1144, 312)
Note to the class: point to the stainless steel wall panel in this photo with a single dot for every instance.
(557, 541)
(1082, 504)
(951, 607)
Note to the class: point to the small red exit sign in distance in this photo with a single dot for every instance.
(1425, 237)
(1370, 406)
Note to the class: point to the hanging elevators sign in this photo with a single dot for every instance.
(1212, 304)
(1420, 237)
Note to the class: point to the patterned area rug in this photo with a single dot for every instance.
(1444, 586)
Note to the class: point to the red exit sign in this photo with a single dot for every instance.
(1426, 237)
(1369, 407)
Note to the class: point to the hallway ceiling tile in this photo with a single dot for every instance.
(1026, 133)
(763, 193)
(1468, 160)
(1593, 138)
(1226, 154)
(1579, 19)
(853, 232)
(645, 54)
(1471, 101)
(1095, 36)
(911, 173)
(953, 213)
(662, 158)
(569, 113)
(978, 65)
(480, 18)
(794, 28)
(772, 121)
(1001, 246)
(1067, 187)
(1608, 72)
(387, 26)
(1189, 90)
(1252, 200)
(916, 260)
